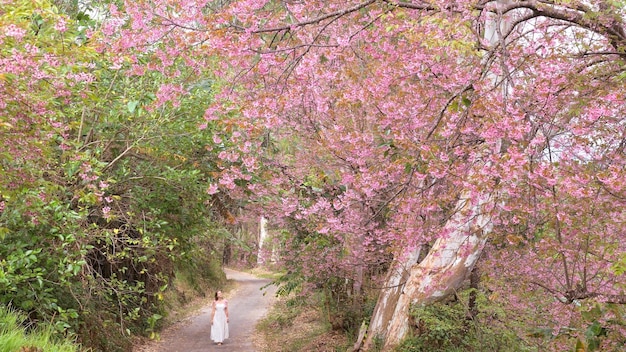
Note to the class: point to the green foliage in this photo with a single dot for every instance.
(288, 283)
(345, 312)
(599, 329)
(451, 327)
(38, 268)
(105, 201)
(285, 313)
(594, 327)
(156, 217)
(13, 337)
(619, 267)
(201, 272)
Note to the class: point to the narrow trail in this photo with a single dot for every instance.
(246, 305)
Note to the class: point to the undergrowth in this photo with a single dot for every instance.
(15, 337)
(299, 324)
(453, 326)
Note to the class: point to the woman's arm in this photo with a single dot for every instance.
(226, 310)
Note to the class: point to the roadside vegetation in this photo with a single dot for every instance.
(14, 336)
(299, 324)
(472, 320)
(105, 221)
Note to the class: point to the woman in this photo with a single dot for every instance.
(219, 319)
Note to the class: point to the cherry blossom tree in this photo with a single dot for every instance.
(409, 130)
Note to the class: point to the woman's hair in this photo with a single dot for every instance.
(216, 292)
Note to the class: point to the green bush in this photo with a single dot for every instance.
(450, 327)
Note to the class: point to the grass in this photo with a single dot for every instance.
(13, 336)
(265, 273)
(295, 325)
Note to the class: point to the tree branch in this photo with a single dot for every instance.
(577, 14)
(316, 20)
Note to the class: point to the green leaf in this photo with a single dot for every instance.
(593, 330)
(27, 304)
(3, 233)
(132, 105)
(592, 314)
(76, 269)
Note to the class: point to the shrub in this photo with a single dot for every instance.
(451, 327)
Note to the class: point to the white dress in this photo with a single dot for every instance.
(219, 328)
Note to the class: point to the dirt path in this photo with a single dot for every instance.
(246, 305)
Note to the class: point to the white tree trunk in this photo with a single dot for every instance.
(388, 299)
(262, 238)
(448, 263)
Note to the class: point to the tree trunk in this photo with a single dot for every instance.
(448, 263)
(472, 305)
(262, 239)
(387, 300)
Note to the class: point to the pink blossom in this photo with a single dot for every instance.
(14, 31)
(227, 180)
(61, 25)
(213, 189)
(249, 162)
(210, 114)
